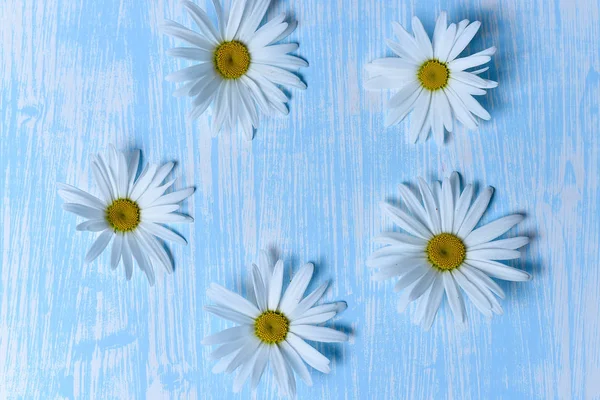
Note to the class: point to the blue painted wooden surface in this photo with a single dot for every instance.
(77, 75)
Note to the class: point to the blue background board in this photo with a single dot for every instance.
(78, 75)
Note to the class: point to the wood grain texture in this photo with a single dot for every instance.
(77, 75)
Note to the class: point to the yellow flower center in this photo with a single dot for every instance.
(123, 215)
(271, 327)
(446, 251)
(433, 75)
(232, 59)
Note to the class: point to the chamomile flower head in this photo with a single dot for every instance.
(129, 211)
(240, 69)
(273, 327)
(433, 82)
(442, 252)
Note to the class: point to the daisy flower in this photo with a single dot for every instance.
(240, 68)
(129, 211)
(432, 80)
(442, 252)
(272, 327)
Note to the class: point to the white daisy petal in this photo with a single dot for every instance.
(83, 211)
(474, 294)
(260, 292)
(398, 114)
(141, 258)
(401, 240)
(171, 217)
(460, 64)
(178, 31)
(280, 371)
(102, 182)
(338, 307)
(463, 39)
(462, 207)
(229, 314)
(483, 287)
(390, 272)
(402, 251)
(275, 286)
(421, 308)
(454, 297)
(93, 225)
(268, 33)
(190, 53)
(455, 187)
(394, 63)
(308, 302)
(309, 354)
(157, 211)
(202, 20)
(441, 25)
(405, 221)
(509, 244)
(291, 379)
(236, 13)
(430, 206)
(486, 280)
(478, 72)
(189, 73)
(156, 249)
(473, 80)
(459, 109)
(411, 276)
(127, 259)
(73, 195)
(296, 288)
(227, 348)
(419, 117)
(229, 299)
(447, 42)
(492, 230)
(163, 233)
(447, 206)
(422, 38)
(243, 355)
(314, 319)
(437, 118)
(279, 76)
(295, 361)
(142, 183)
(262, 357)
(409, 43)
(228, 335)
(266, 267)
(249, 24)
(475, 212)
(115, 254)
(460, 28)
(224, 362)
(422, 284)
(98, 247)
(292, 25)
(493, 254)
(471, 104)
(318, 333)
(405, 260)
(244, 373)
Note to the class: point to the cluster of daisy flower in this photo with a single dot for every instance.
(240, 71)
